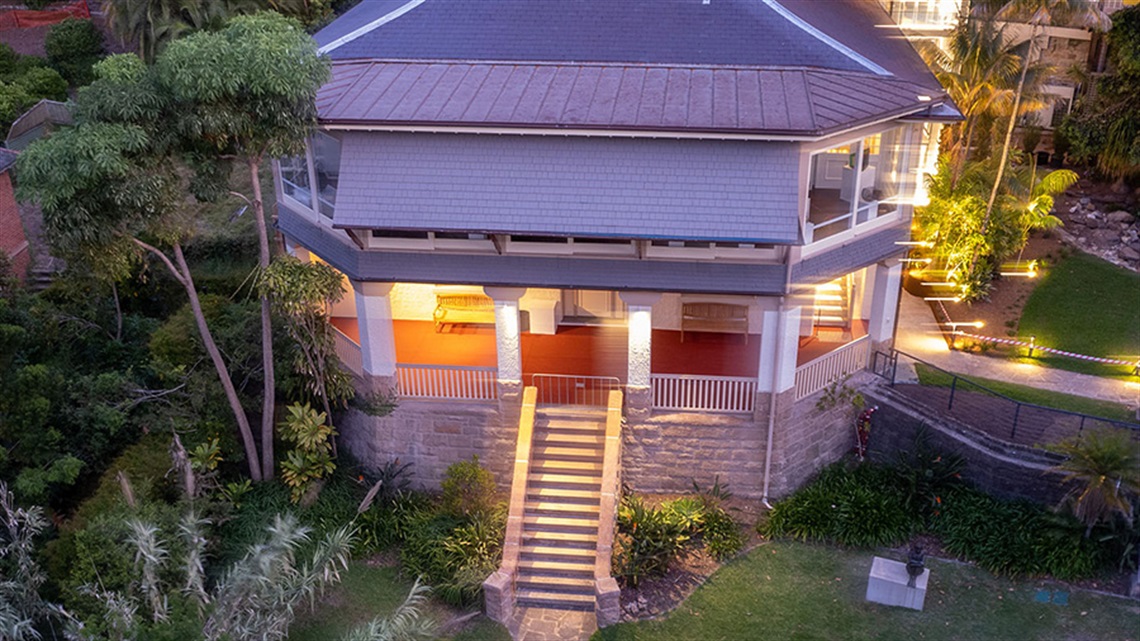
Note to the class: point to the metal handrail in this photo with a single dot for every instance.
(569, 389)
(889, 371)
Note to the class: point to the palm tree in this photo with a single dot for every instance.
(1038, 14)
(1105, 469)
(151, 24)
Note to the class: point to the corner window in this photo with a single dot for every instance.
(295, 180)
(857, 182)
(326, 160)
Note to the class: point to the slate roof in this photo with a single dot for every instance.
(798, 67)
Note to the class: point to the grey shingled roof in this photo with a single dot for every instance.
(750, 65)
(7, 159)
(853, 255)
(618, 187)
(531, 271)
(615, 97)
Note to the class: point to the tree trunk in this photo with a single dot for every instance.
(183, 276)
(118, 313)
(268, 402)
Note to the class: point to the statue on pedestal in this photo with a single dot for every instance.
(915, 563)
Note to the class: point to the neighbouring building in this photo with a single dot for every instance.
(13, 243)
(553, 215)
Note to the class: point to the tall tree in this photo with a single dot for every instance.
(1038, 14)
(150, 25)
(1104, 468)
(112, 193)
(247, 94)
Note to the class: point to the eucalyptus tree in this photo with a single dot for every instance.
(1038, 14)
(247, 94)
(113, 192)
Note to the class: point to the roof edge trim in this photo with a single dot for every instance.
(371, 26)
(811, 30)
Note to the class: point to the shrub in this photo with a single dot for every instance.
(468, 489)
(1016, 537)
(311, 459)
(43, 82)
(925, 475)
(452, 554)
(722, 535)
(856, 506)
(72, 46)
(648, 540)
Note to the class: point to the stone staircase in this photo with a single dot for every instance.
(560, 526)
(560, 514)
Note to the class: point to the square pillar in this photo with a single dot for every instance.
(885, 302)
(781, 338)
(377, 336)
(639, 392)
(507, 344)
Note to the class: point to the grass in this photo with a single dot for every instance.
(368, 591)
(1088, 306)
(1080, 404)
(797, 591)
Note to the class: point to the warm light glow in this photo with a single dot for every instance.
(932, 344)
(640, 327)
(977, 324)
(939, 284)
(951, 299)
(914, 243)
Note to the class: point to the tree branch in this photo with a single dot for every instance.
(165, 259)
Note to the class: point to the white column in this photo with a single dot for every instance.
(377, 337)
(783, 339)
(884, 301)
(639, 306)
(507, 345)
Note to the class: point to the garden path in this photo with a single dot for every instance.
(920, 336)
(542, 624)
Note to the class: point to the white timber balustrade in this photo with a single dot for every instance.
(447, 382)
(813, 376)
(348, 352)
(686, 392)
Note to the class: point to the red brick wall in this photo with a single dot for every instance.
(11, 229)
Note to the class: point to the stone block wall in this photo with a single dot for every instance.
(668, 451)
(1006, 471)
(432, 436)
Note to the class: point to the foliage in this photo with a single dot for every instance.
(302, 293)
(24, 81)
(1105, 125)
(925, 475)
(1104, 466)
(42, 82)
(151, 26)
(310, 460)
(965, 243)
(721, 534)
(1015, 537)
(71, 394)
(73, 47)
(647, 540)
(468, 489)
(381, 403)
(404, 624)
(455, 555)
(856, 506)
(838, 392)
(22, 608)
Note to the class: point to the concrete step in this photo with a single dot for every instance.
(542, 523)
(592, 437)
(560, 584)
(573, 450)
(545, 568)
(584, 497)
(563, 466)
(571, 481)
(534, 598)
(561, 540)
(573, 413)
(532, 549)
(561, 509)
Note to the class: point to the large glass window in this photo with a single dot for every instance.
(858, 182)
(295, 180)
(326, 157)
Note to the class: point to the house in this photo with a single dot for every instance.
(13, 243)
(690, 214)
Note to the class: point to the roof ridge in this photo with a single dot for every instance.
(608, 64)
(814, 32)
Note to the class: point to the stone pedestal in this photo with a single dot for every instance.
(608, 605)
(498, 597)
(887, 584)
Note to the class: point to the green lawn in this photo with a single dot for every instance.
(1081, 404)
(1088, 306)
(795, 591)
(369, 591)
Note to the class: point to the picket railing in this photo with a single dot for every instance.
(447, 382)
(813, 376)
(703, 393)
(568, 389)
(348, 352)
